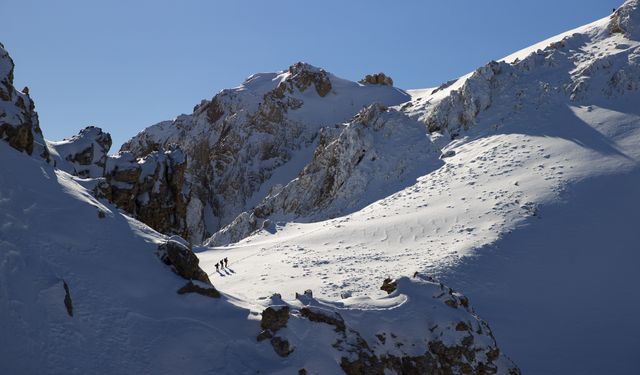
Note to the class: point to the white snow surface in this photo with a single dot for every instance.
(556, 125)
(128, 318)
(533, 215)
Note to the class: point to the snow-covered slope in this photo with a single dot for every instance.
(242, 138)
(518, 136)
(379, 152)
(85, 289)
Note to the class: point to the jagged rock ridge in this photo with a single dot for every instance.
(19, 124)
(378, 152)
(235, 142)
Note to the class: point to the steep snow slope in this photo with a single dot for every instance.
(87, 289)
(83, 291)
(517, 135)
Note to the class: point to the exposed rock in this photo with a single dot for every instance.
(455, 341)
(304, 75)
(274, 318)
(264, 334)
(190, 287)
(347, 172)
(68, 303)
(151, 189)
(323, 316)
(626, 20)
(234, 142)
(19, 124)
(389, 285)
(447, 154)
(377, 79)
(85, 153)
(182, 261)
(281, 346)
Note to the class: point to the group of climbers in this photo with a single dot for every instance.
(222, 264)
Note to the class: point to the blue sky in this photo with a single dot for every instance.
(125, 65)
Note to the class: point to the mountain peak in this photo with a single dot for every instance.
(626, 20)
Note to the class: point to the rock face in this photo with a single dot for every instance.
(236, 142)
(377, 153)
(86, 153)
(190, 287)
(151, 189)
(625, 20)
(275, 318)
(380, 340)
(19, 125)
(182, 260)
(377, 79)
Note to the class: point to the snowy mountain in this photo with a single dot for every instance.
(516, 183)
(247, 139)
(85, 288)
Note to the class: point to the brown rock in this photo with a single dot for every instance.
(275, 318)
(389, 285)
(182, 261)
(190, 287)
(281, 346)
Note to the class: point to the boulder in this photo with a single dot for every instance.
(182, 261)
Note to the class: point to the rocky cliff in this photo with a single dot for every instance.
(237, 141)
(380, 151)
(19, 125)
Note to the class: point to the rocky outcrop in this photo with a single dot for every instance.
(273, 319)
(377, 79)
(19, 124)
(208, 291)
(235, 142)
(626, 20)
(304, 75)
(389, 285)
(377, 153)
(380, 340)
(85, 154)
(151, 189)
(176, 254)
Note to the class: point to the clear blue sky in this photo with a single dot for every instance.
(125, 65)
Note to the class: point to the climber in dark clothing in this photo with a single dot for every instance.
(217, 267)
(226, 262)
(221, 264)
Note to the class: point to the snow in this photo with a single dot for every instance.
(481, 220)
(533, 214)
(127, 316)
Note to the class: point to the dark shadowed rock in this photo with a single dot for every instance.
(182, 261)
(281, 346)
(389, 285)
(274, 318)
(68, 303)
(190, 287)
(327, 317)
